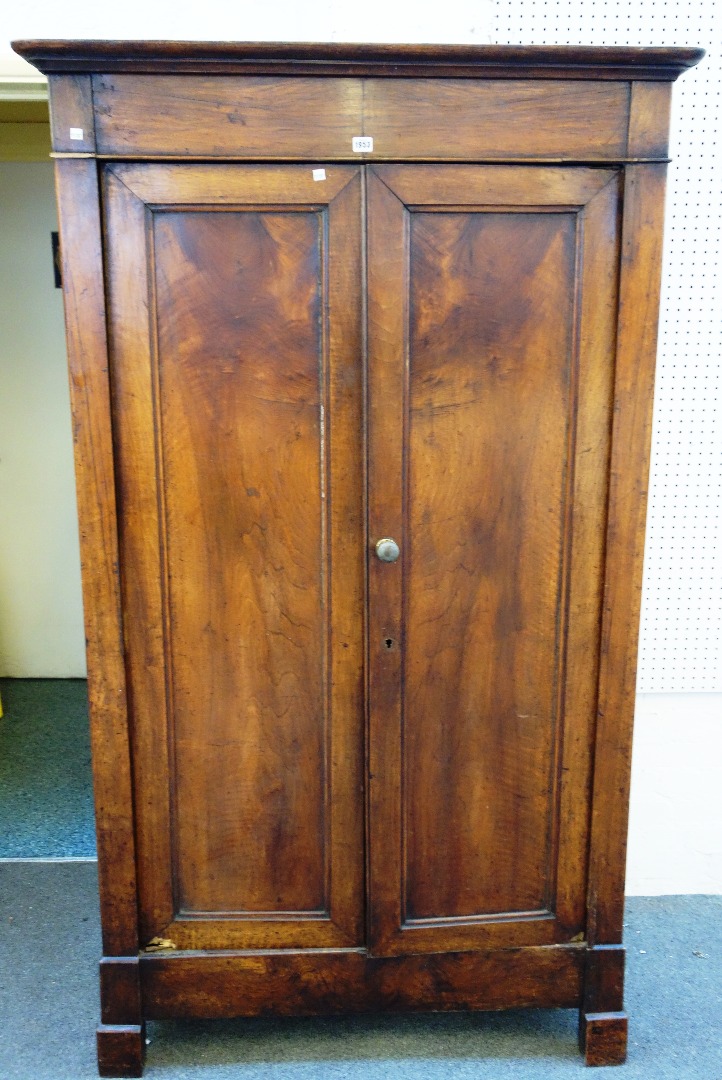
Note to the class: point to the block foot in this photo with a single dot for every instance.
(121, 1049)
(603, 1037)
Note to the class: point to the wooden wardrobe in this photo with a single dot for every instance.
(361, 345)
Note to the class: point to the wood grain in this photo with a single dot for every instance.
(254, 118)
(71, 106)
(476, 466)
(121, 1049)
(130, 335)
(240, 392)
(120, 1001)
(409, 119)
(209, 185)
(504, 185)
(489, 406)
(387, 347)
(83, 294)
(649, 114)
(604, 979)
(640, 272)
(603, 1038)
(330, 982)
(588, 486)
(234, 394)
(329, 58)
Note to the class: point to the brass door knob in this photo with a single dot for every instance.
(387, 550)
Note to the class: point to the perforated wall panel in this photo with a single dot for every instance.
(681, 638)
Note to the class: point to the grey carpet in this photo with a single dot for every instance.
(49, 942)
(46, 799)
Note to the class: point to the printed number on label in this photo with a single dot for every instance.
(362, 144)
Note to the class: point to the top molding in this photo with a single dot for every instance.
(300, 58)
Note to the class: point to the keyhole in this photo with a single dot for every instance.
(389, 642)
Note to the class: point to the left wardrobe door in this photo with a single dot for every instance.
(235, 333)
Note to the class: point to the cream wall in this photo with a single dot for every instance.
(41, 630)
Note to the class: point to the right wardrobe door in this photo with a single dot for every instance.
(492, 318)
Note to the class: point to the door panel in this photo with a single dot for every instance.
(489, 406)
(483, 554)
(242, 546)
(246, 551)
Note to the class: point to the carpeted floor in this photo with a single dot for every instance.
(50, 944)
(46, 799)
(49, 941)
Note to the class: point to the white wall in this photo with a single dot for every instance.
(675, 819)
(254, 20)
(41, 630)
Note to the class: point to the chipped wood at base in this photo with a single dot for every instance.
(327, 982)
(629, 468)
(77, 191)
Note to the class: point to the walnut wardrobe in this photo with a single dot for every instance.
(361, 345)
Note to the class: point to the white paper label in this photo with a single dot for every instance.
(318, 174)
(76, 134)
(362, 144)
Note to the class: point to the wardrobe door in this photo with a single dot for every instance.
(492, 301)
(235, 329)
